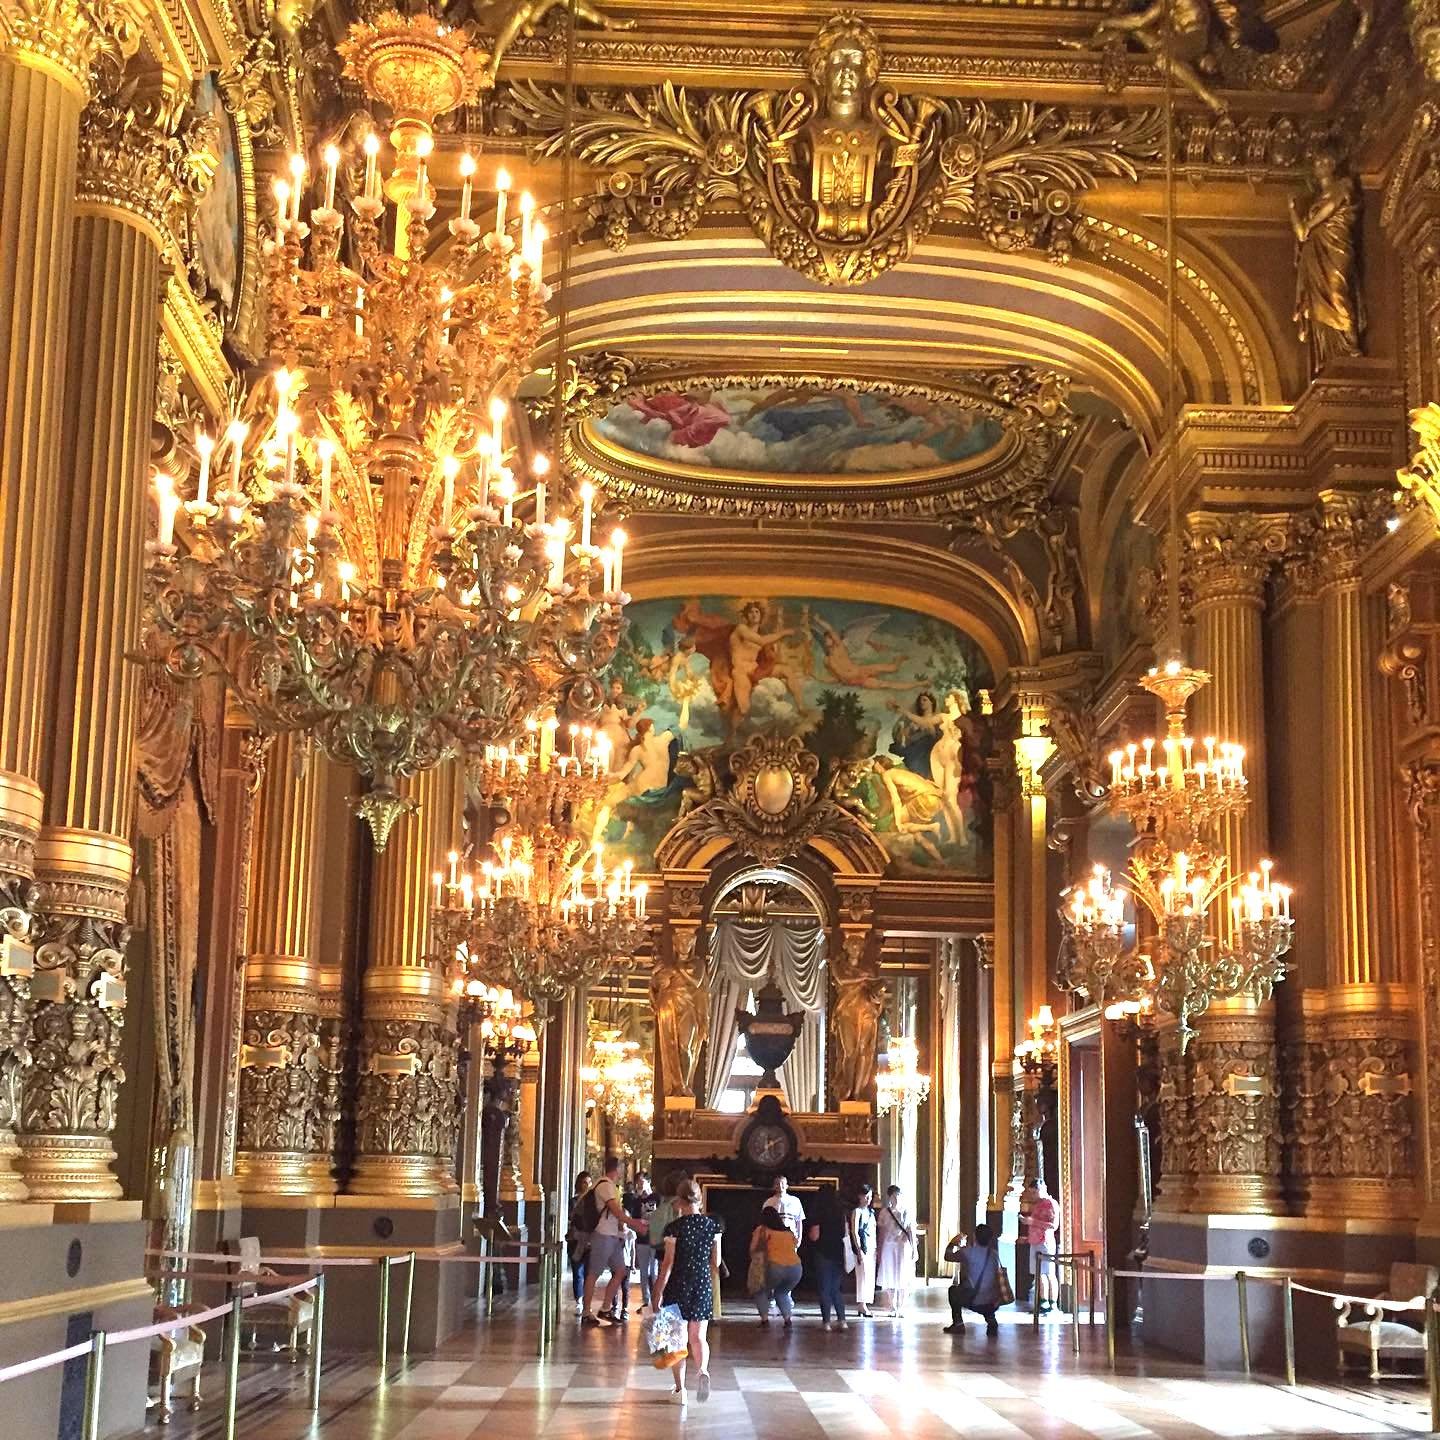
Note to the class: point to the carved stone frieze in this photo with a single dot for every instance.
(1349, 523)
(67, 1111)
(66, 37)
(280, 1084)
(1234, 1115)
(1230, 555)
(408, 1103)
(840, 177)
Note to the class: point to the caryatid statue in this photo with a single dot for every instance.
(860, 997)
(682, 1010)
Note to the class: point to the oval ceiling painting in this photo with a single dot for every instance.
(670, 436)
(800, 431)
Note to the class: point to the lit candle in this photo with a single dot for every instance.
(587, 501)
(235, 433)
(423, 148)
(505, 488)
(607, 569)
(332, 164)
(454, 859)
(617, 544)
(372, 178)
(498, 411)
(205, 448)
(327, 459)
(359, 311)
(439, 880)
(540, 468)
(347, 575)
(502, 195)
(527, 219)
(297, 176)
(451, 467)
(167, 502)
(467, 170)
(446, 296)
(282, 201)
(555, 553)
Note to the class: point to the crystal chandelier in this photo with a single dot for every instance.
(1176, 794)
(900, 1085)
(361, 560)
(617, 1078)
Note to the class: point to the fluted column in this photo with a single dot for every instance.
(45, 57)
(282, 1149)
(1361, 1026)
(408, 1105)
(1224, 1112)
(127, 179)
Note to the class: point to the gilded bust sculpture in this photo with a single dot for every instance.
(844, 64)
(1328, 308)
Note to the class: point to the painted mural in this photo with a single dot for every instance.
(795, 430)
(895, 690)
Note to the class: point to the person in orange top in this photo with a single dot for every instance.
(774, 1239)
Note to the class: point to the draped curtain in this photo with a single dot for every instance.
(744, 956)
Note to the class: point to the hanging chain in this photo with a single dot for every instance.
(1172, 395)
(562, 315)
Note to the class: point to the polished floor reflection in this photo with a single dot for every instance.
(905, 1379)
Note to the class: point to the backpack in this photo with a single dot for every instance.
(588, 1216)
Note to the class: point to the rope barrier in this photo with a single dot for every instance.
(42, 1362)
(334, 1260)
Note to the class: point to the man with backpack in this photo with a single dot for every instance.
(602, 1211)
(976, 1285)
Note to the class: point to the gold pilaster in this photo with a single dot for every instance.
(282, 1145)
(68, 1107)
(1227, 1104)
(42, 91)
(408, 1105)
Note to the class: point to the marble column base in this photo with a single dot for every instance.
(1200, 1321)
(70, 1269)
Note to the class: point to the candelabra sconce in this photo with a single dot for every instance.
(1040, 1053)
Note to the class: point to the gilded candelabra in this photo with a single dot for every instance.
(617, 1078)
(359, 558)
(1038, 1055)
(1174, 793)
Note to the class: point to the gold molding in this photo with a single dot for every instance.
(66, 1302)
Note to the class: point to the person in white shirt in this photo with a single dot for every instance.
(788, 1205)
(607, 1246)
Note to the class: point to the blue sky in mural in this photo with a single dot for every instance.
(858, 681)
(794, 431)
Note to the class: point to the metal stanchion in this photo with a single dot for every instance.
(486, 1253)
(94, 1372)
(384, 1313)
(1090, 1273)
(1074, 1309)
(317, 1341)
(1034, 1288)
(409, 1305)
(1287, 1298)
(1110, 1316)
(1242, 1301)
(545, 1300)
(232, 1363)
(1432, 1358)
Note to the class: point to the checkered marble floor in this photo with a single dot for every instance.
(903, 1380)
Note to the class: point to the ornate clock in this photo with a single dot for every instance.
(768, 1142)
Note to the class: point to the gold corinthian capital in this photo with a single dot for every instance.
(64, 38)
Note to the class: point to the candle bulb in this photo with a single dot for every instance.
(372, 177)
(359, 311)
(297, 176)
(167, 502)
(607, 569)
(502, 195)
(587, 502)
(205, 448)
(423, 147)
(540, 468)
(451, 467)
(617, 544)
(467, 170)
(235, 433)
(327, 460)
(506, 490)
(332, 164)
(282, 201)
(498, 411)
(527, 219)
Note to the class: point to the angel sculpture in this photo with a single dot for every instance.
(858, 635)
(1186, 34)
(521, 17)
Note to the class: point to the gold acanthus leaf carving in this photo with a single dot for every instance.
(840, 177)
